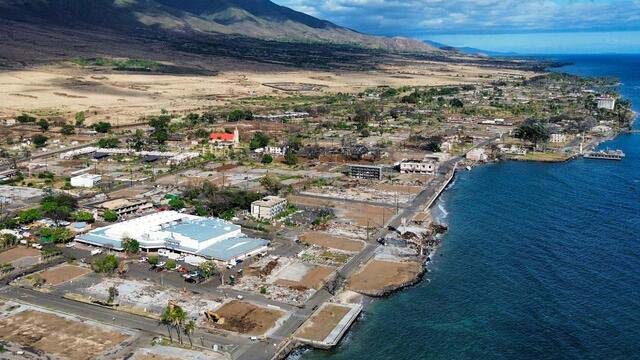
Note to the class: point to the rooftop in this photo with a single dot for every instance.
(269, 201)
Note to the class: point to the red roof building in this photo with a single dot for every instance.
(221, 137)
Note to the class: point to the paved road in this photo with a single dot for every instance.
(106, 315)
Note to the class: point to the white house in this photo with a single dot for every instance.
(85, 180)
(268, 207)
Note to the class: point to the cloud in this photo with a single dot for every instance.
(424, 17)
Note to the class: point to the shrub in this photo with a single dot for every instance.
(107, 264)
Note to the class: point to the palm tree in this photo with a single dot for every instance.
(189, 328)
(167, 319)
(179, 317)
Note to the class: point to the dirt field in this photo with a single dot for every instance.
(64, 273)
(18, 253)
(320, 325)
(360, 213)
(403, 189)
(379, 276)
(330, 241)
(58, 336)
(247, 318)
(62, 89)
(313, 279)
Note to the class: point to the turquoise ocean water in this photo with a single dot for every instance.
(542, 261)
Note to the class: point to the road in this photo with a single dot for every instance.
(240, 347)
(109, 316)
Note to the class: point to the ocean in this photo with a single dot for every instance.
(542, 261)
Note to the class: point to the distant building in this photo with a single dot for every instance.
(86, 180)
(369, 172)
(210, 238)
(9, 174)
(272, 150)
(225, 140)
(268, 207)
(425, 166)
(606, 102)
(601, 129)
(558, 138)
(125, 206)
(9, 122)
(477, 155)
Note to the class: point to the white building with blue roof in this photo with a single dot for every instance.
(211, 238)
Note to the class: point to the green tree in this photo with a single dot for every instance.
(271, 183)
(29, 215)
(102, 127)
(58, 235)
(259, 140)
(176, 203)
(113, 294)
(153, 260)
(25, 118)
(80, 119)
(208, 269)
(237, 115)
(131, 246)
(8, 240)
(83, 216)
(67, 129)
(110, 215)
(43, 124)
(160, 125)
(39, 140)
(171, 264)
(290, 158)
(267, 159)
(533, 131)
(136, 141)
(106, 264)
(189, 329)
(110, 142)
(456, 103)
(167, 318)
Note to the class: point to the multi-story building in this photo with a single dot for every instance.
(425, 166)
(268, 207)
(606, 102)
(369, 172)
(125, 206)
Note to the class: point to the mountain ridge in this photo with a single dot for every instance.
(260, 19)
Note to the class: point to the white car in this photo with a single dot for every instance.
(240, 297)
(70, 245)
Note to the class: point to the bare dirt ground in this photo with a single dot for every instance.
(360, 213)
(18, 253)
(41, 79)
(247, 318)
(313, 279)
(320, 325)
(404, 189)
(377, 277)
(58, 336)
(330, 241)
(58, 275)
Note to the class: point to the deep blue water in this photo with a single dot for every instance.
(542, 261)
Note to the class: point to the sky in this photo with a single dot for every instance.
(524, 26)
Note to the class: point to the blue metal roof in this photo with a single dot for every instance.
(228, 249)
(203, 229)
